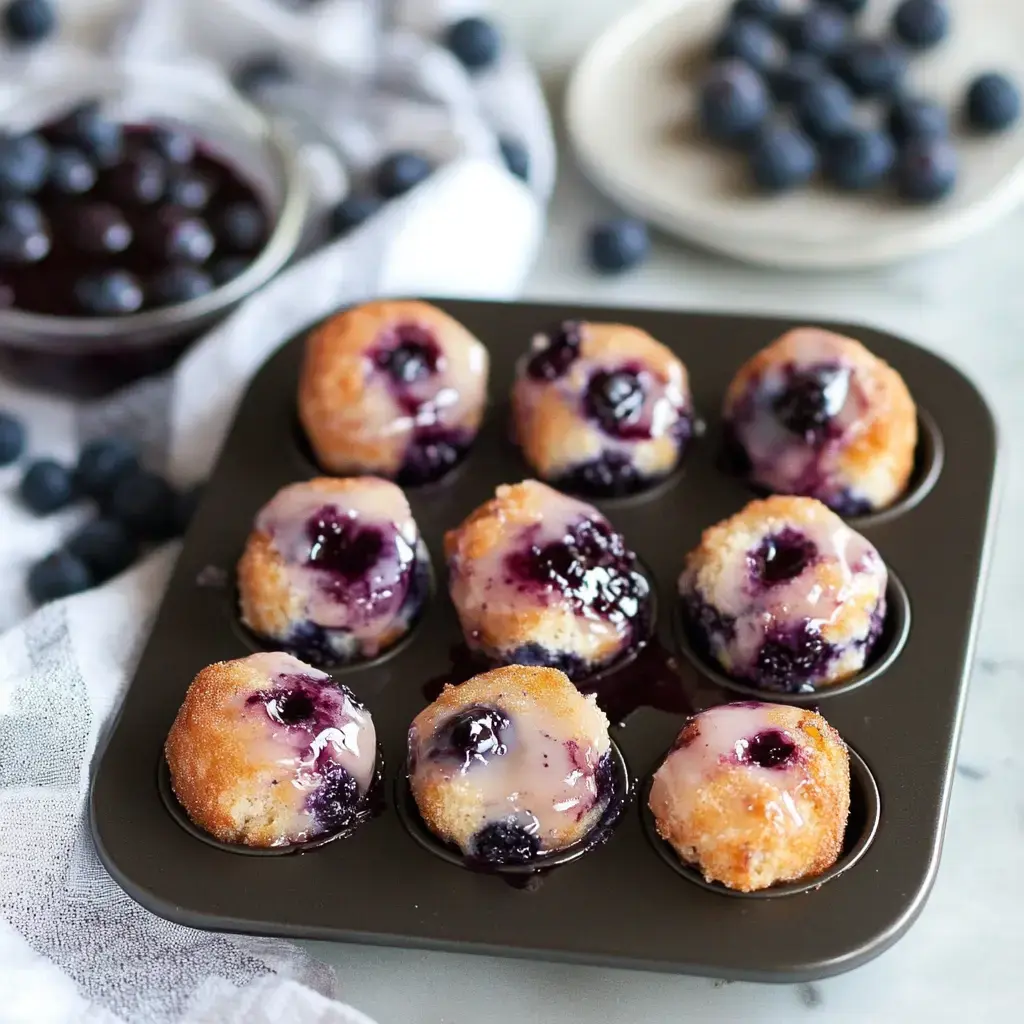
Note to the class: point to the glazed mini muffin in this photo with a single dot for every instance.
(752, 795)
(539, 578)
(392, 388)
(334, 570)
(784, 595)
(601, 409)
(817, 414)
(512, 764)
(268, 751)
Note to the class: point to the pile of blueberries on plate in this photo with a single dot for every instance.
(802, 93)
(136, 508)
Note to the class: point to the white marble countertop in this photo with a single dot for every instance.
(962, 958)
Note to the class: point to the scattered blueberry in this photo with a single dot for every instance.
(921, 23)
(913, 118)
(189, 189)
(240, 226)
(476, 42)
(352, 211)
(102, 463)
(506, 842)
(29, 21)
(260, 72)
(140, 179)
(993, 103)
(24, 164)
(109, 293)
(228, 268)
(734, 101)
(175, 145)
(100, 228)
(782, 158)
(766, 10)
(24, 233)
(144, 503)
(820, 30)
(825, 109)
(872, 68)
(185, 505)
(176, 234)
(749, 40)
(926, 170)
(70, 171)
(178, 283)
(46, 486)
(88, 127)
(58, 575)
(859, 160)
(800, 72)
(618, 245)
(516, 157)
(105, 547)
(400, 172)
(12, 439)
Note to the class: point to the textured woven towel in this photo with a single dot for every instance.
(72, 945)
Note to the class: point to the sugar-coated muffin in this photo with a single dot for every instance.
(539, 578)
(334, 570)
(601, 409)
(393, 388)
(754, 794)
(512, 764)
(817, 414)
(268, 751)
(784, 595)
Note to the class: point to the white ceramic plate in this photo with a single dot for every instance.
(630, 112)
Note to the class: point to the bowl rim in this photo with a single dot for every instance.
(29, 330)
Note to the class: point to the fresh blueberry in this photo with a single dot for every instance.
(872, 67)
(400, 172)
(782, 158)
(749, 40)
(993, 103)
(825, 109)
(58, 575)
(100, 228)
(507, 842)
(70, 171)
(615, 399)
(102, 463)
(734, 101)
(88, 127)
(227, 268)
(189, 189)
(800, 72)
(24, 164)
(820, 30)
(185, 505)
(766, 10)
(24, 233)
(144, 503)
(516, 157)
(352, 211)
(926, 170)
(109, 293)
(29, 21)
(176, 234)
(860, 159)
(176, 145)
(105, 546)
(178, 283)
(476, 42)
(260, 72)
(12, 438)
(46, 486)
(240, 226)
(618, 245)
(921, 24)
(913, 118)
(141, 179)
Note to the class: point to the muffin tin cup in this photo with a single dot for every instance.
(611, 903)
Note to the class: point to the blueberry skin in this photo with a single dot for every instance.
(58, 575)
(109, 293)
(102, 463)
(801, 71)
(921, 24)
(476, 42)
(29, 21)
(618, 245)
(993, 103)
(24, 164)
(24, 233)
(783, 158)
(100, 228)
(400, 172)
(749, 40)
(911, 117)
(926, 170)
(87, 127)
(766, 10)
(872, 68)
(241, 226)
(734, 102)
(190, 190)
(179, 284)
(105, 547)
(351, 212)
(175, 145)
(515, 156)
(505, 842)
(859, 160)
(12, 439)
(260, 72)
(70, 171)
(46, 487)
(825, 109)
(144, 503)
(821, 30)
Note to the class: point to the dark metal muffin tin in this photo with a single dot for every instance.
(627, 902)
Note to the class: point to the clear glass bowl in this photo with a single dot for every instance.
(92, 355)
